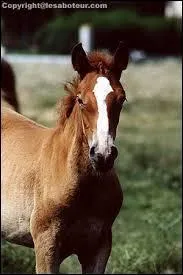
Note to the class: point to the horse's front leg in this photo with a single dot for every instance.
(95, 262)
(46, 247)
(47, 254)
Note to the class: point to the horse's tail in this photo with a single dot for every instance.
(8, 85)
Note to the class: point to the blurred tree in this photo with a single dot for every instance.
(142, 7)
(20, 25)
(150, 7)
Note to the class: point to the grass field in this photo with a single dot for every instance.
(147, 232)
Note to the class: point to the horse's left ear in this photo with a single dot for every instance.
(120, 59)
(80, 60)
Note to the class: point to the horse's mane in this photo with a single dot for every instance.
(101, 62)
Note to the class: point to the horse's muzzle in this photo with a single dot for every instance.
(103, 163)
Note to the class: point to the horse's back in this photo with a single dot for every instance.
(8, 115)
(14, 120)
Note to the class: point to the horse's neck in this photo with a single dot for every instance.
(76, 142)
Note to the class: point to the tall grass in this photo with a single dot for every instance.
(147, 232)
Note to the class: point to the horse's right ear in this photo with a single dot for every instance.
(120, 59)
(80, 60)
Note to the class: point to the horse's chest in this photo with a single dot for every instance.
(85, 232)
(91, 216)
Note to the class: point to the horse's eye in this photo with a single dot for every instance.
(80, 101)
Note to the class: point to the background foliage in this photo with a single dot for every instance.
(140, 32)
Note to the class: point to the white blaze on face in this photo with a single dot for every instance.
(101, 139)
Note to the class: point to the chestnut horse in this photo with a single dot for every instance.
(8, 86)
(60, 191)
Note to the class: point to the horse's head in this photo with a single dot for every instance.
(100, 97)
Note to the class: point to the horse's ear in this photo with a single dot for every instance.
(120, 59)
(80, 60)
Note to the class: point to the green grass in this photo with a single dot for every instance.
(147, 232)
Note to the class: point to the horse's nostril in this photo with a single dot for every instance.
(92, 151)
(100, 158)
